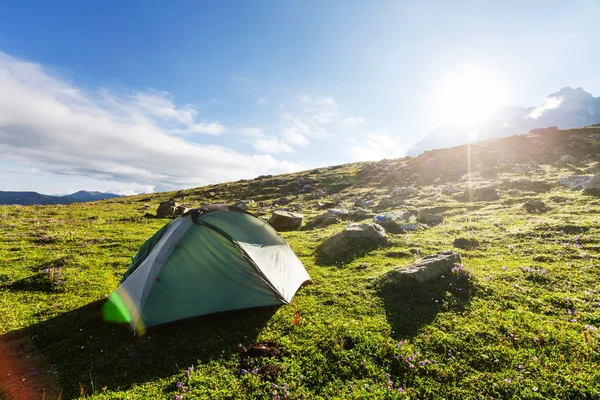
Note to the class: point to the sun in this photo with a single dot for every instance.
(468, 97)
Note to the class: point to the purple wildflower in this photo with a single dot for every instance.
(185, 389)
(400, 390)
(535, 339)
(591, 327)
(244, 372)
(177, 397)
(254, 371)
(178, 385)
(507, 380)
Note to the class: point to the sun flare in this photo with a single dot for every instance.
(468, 98)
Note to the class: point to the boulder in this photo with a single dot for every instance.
(427, 268)
(465, 243)
(574, 182)
(354, 238)
(286, 220)
(386, 202)
(180, 210)
(403, 192)
(393, 221)
(166, 208)
(360, 213)
(322, 220)
(593, 183)
(450, 190)
(535, 206)
(485, 193)
(528, 185)
(364, 203)
(429, 218)
(337, 212)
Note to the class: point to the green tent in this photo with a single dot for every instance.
(211, 259)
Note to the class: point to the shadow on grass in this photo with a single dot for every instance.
(83, 352)
(409, 307)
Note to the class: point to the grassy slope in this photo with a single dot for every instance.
(507, 333)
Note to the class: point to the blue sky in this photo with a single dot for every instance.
(140, 96)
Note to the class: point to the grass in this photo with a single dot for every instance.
(520, 324)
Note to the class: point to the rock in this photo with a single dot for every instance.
(393, 221)
(574, 182)
(364, 203)
(403, 192)
(568, 159)
(528, 185)
(426, 269)
(386, 202)
(166, 208)
(429, 218)
(593, 183)
(354, 238)
(485, 193)
(322, 220)
(450, 190)
(317, 194)
(339, 213)
(283, 201)
(535, 206)
(325, 205)
(466, 243)
(242, 204)
(180, 210)
(262, 204)
(286, 220)
(360, 213)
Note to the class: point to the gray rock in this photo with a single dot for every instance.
(386, 202)
(364, 203)
(339, 213)
(355, 237)
(485, 193)
(428, 268)
(593, 183)
(429, 218)
(322, 220)
(166, 208)
(574, 182)
(360, 213)
(450, 190)
(403, 192)
(286, 220)
(528, 185)
(283, 201)
(535, 206)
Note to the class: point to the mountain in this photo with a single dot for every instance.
(567, 108)
(84, 195)
(31, 198)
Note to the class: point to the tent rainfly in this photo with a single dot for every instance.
(211, 259)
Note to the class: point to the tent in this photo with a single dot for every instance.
(211, 259)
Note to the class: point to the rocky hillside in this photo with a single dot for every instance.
(465, 272)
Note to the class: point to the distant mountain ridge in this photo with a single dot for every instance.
(31, 198)
(565, 109)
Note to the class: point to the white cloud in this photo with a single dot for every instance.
(548, 104)
(353, 121)
(376, 146)
(271, 145)
(262, 100)
(252, 132)
(50, 123)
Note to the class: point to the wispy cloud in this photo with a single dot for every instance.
(262, 100)
(376, 146)
(134, 137)
(548, 104)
